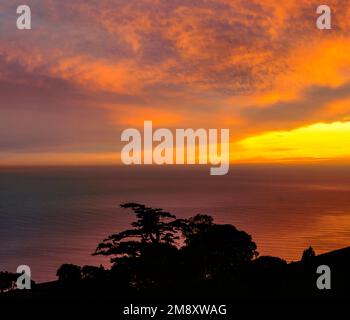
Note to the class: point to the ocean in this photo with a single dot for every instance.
(55, 215)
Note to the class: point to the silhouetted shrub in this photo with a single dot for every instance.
(69, 273)
(308, 255)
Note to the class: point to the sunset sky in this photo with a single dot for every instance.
(89, 69)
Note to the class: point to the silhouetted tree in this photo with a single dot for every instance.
(198, 224)
(217, 251)
(147, 255)
(143, 256)
(153, 226)
(308, 255)
(69, 273)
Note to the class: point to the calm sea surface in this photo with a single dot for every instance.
(50, 216)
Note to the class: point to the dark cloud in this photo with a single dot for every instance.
(311, 103)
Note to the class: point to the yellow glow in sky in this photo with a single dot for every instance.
(317, 141)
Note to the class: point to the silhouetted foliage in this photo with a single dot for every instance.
(144, 254)
(308, 255)
(69, 273)
(92, 272)
(193, 226)
(147, 256)
(153, 226)
(7, 281)
(269, 263)
(217, 251)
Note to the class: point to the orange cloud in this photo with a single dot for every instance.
(251, 66)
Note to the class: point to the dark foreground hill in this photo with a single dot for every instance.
(265, 278)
